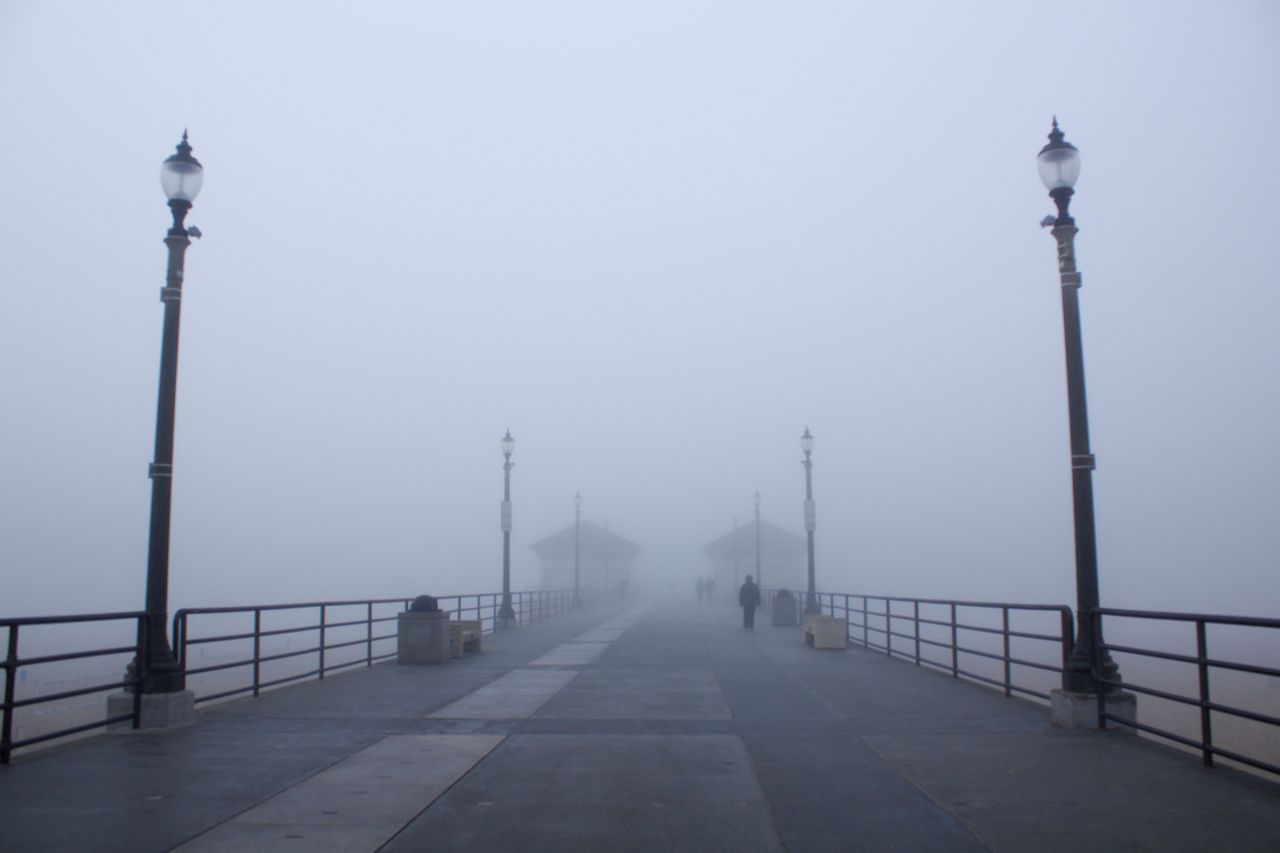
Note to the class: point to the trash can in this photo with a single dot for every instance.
(784, 611)
(422, 633)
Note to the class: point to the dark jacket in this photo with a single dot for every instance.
(749, 595)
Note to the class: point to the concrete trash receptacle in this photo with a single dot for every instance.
(422, 637)
(784, 610)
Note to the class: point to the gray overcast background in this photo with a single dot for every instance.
(655, 240)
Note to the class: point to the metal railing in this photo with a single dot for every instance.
(13, 662)
(1205, 668)
(333, 635)
(944, 634)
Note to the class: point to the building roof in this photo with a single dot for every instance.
(741, 542)
(597, 543)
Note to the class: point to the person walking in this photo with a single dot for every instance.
(749, 598)
(701, 589)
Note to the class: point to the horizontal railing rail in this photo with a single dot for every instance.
(331, 635)
(946, 635)
(272, 645)
(14, 662)
(1263, 633)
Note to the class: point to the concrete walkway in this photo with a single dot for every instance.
(658, 727)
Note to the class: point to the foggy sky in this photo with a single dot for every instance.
(655, 241)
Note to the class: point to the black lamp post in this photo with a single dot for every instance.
(806, 444)
(1059, 163)
(506, 614)
(577, 548)
(759, 574)
(180, 178)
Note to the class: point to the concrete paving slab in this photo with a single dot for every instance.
(356, 805)
(835, 793)
(628, 793)
(1074, 790)
(628, 694)
(570, 654)
(600, 635)
(516, 695)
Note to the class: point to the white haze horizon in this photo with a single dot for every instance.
(655, 242)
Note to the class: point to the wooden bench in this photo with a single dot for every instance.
(465, 635)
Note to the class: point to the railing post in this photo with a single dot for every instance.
(1095, 628)
(1008, 666)
(141, 640)
(1206, 722)
(1068, 640)
(866, 637)
(888, 628)
(10, 671)
(257, 651)
(955, 644)
(915, 617)
(323, 620)
(368, 634)
(180, 635)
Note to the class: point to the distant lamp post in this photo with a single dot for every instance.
(506, 615)
(180, 178)
(736, 554)
(759, 573)
(806, 444)
(1059, 164)
(577, 549)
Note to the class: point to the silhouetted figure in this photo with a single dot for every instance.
(702, 588)
(749, 598)
(710, 587)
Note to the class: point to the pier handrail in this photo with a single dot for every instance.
(332, 628)
(13, 661)
(1205, 666)
(529, 606)
(873, 622)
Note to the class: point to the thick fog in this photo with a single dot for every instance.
(655, 241)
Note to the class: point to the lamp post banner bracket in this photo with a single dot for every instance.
(1085, 461)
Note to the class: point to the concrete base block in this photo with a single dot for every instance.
(159, 710)
(830, 632)
(422, 637)
(825, 632)
(1080, 710)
